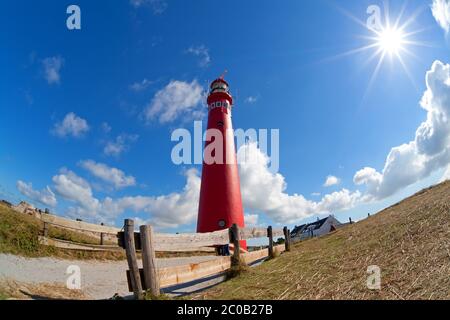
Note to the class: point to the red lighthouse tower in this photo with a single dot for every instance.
(220, 195)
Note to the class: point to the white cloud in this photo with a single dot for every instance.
(441, 12)
(158, 6)
(75, 189)
(337, 201)
(139, 222)
(446, 175)
(429, 151)
(251, 220)
(331, 181)
(106, 128)
(108, 174)
(46, 196)
(264, 191)
(163, 211)
(251, 99)
(140, 86)
(120, 145)
(137, 3)
(52, 67)
(79, 192)
(176, 208)
(72, 125)
(177, 98)
(203, 53)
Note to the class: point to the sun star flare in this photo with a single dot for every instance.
(391, 40)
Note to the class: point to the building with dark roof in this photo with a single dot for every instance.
(315, 229)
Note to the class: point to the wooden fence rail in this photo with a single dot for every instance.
(170, 242)
(77, 225)
(64, 244)
(163, 242)
(105, 234)
(186, 273)
(150, 278)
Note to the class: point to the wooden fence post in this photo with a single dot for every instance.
(234, 238)
(151, 279)
(270, 236)
(45, 230)
(287, 239)
(290, 239)
(132, 259)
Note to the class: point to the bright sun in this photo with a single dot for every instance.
(391, 40)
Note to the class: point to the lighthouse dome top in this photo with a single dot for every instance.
(219, 85)
(219, 92)
(219, 80)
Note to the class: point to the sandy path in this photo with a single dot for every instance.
(99, 279)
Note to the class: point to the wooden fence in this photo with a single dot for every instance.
(153, 279)
(106, 234)
(70, 245)
(78, 225)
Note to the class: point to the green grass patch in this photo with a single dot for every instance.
(19, 233)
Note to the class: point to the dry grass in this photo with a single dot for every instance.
(237, 270)
(3, 294)
(409, 241)
(45, 291)
(149, 296)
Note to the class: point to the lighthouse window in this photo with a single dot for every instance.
(219, 87)
(221, 223)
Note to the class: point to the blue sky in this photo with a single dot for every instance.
(78, 134)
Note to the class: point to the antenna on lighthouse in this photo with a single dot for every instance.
(223, 74)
